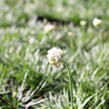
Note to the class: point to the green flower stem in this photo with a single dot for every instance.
(70, 81)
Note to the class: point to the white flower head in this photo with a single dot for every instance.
(31, 40)
(54, 55)
(48, 28)
(96, 21)
(82, 22)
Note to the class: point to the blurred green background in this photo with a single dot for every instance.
(28, 28)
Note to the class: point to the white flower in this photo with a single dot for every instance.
(31, 40)
(96, 21)
(48, 28)
(82, 22)
(70, 33)
(54, 55)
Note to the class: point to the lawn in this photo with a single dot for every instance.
(28, 29)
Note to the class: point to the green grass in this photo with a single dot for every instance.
(28, 80)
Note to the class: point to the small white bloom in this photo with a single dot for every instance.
(14, 94)
(48, 28)
(54, 55)
(31, 39)
(70, 33)
(82, 22)
(96, 21)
